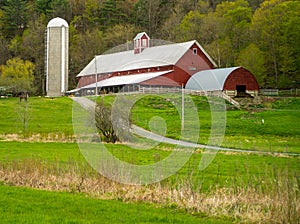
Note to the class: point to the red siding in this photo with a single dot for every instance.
(192, 63)
(175, 78)
(89, 79)
(241, 76)
(164, 80)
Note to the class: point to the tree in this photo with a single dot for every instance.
(190, 26)
(83, 47)
(276, 30)
(151, 14)
(120, 34)
(14, 18)
(104, 122)
(233, 22)
(18, 74)
(5, 54)
(224, 32)
(90, 17)
(33, 49)
(54, 8)
(113, 121)
(252, 58)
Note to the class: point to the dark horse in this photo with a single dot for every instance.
(23, 96)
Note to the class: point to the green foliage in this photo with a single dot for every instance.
(225, 29)
(252, 58)
(271, 26)
(14, 18)
(18, 75)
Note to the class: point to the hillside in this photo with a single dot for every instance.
(232, 32)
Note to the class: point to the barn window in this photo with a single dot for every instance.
(194, 51)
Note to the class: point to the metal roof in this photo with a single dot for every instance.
(139, 35)
(150, 57)
(209, 80)
(57, 22)
(126, 79)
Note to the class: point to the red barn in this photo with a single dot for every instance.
(234, 82)
(162, 66)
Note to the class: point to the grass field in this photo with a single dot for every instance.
(227, 169)
(39, 116)
(52, 118)
(236, 187)
(280, 131)
(23, 205)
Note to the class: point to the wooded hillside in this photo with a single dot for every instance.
(262, 36)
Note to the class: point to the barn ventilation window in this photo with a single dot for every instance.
(194, 51)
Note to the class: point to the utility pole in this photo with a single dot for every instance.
(182, 107)
(96, 77)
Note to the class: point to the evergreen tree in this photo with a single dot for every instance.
(14, 17)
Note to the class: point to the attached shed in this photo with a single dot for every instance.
(234, 81)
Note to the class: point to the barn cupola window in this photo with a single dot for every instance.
(141, 41)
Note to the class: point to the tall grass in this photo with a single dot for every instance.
(270, 197)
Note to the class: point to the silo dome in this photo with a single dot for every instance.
(57, 22)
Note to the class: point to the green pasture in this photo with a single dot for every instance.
(226, 170)
(39, 116)
(270, 126)
(23, 205)
(265, 173)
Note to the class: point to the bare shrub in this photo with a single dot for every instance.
(104, 123)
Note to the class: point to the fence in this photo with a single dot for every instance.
(190, 92)
(277, 92)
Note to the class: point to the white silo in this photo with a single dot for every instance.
(57, 58)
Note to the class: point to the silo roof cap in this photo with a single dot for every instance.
(57, 22)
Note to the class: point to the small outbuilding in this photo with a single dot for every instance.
(234, 82)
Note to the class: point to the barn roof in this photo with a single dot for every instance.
(139, 35)
(150, 57)
(209, 80)
(126, 79)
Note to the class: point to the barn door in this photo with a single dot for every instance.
(241, 88)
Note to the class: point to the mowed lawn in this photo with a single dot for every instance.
(23, 205)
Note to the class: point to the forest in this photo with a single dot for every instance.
(263, 36)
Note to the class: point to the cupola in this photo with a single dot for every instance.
(141, 41)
